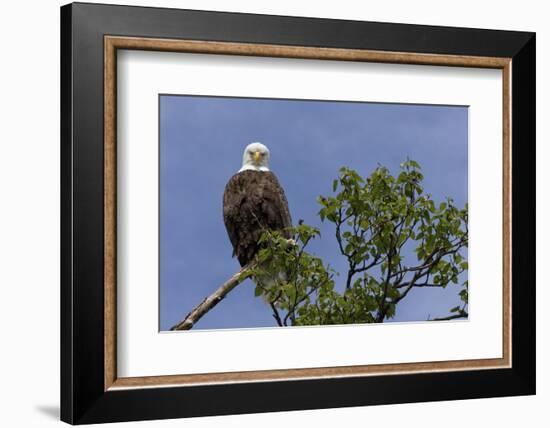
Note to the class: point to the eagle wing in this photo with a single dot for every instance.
(275, 205)
(253, 202)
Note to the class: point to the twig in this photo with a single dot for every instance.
(216, 297)
(460, 314)
(406, 284)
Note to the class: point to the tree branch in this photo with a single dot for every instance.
(383, 306)
(409, 286)
(216, 297)
(276, 314)
(460, 314)
(406, 284)
(432, 262)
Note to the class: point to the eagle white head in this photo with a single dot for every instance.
(255, 158)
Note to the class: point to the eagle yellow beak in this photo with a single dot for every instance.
(257, 156)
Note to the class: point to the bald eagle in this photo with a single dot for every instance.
(253, 202)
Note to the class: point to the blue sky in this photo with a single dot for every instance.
(201, 144)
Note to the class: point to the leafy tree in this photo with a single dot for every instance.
(394, 238)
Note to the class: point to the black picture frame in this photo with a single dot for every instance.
(83, 398)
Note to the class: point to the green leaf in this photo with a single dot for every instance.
(376, 219)
(414, 164)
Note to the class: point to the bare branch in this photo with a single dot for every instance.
(419, 285)
(216, 297)
(460, 314)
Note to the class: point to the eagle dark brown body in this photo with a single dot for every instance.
(253, 201)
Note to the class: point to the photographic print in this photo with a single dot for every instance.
(289, 212)
(289, 191)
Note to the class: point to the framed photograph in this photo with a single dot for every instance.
(266, 213)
